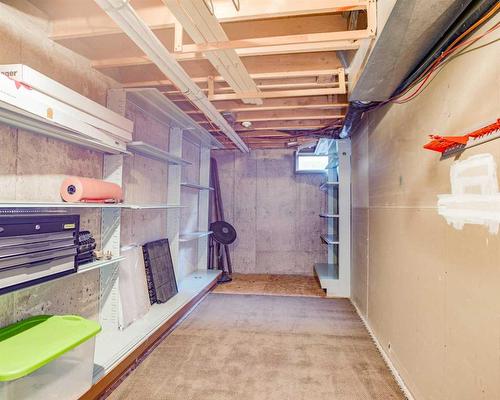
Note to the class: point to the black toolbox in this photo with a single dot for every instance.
(35, 248)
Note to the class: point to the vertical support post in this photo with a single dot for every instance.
(344, 154)
(110, 312)
(203, 203)
(174, 197)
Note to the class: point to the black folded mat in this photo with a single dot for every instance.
(159, 271)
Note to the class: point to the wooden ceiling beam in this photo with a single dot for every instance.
(73, 23)
(258, 76)
(292, 117)
(284, 127)
(247, 52)
(239, 110)
(303, 40)
(278, 94)
(203, 27)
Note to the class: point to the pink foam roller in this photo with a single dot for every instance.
(78, 189)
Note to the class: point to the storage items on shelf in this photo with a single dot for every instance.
(77, 188)
(86, 246)
(35, 248)
(47, 357)
(35, 102)
(160, 274)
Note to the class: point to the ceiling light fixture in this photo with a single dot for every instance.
(246, 124)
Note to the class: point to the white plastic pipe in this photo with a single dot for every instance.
(127, 19)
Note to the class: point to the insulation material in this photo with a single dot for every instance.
(474, 197)
(134, 299)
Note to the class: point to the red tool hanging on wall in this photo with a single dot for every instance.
(452, 145)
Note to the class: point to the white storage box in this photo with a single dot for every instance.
(47, 357)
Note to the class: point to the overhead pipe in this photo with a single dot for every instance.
(122, 13)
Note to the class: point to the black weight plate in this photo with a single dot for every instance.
(223, 232)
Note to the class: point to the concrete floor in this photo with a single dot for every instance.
(249, 347)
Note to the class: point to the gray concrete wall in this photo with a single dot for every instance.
(274, 211)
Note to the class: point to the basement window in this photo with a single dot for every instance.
(310, 163)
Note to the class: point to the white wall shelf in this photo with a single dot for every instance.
(196, 186)
(114, 345)
(149, 151)
(186, 237)
(98, 264)
(327, 185)
(329, 239)
(55, 204)
(324, 215)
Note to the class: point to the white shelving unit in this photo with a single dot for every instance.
(334, 276)
(114, 343)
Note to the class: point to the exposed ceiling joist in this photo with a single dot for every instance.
(127, 19)
(304, 40)
(183, 56)
(203, 27)
(91, 22)
(257, 76)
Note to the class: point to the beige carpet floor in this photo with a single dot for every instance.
(248, 347)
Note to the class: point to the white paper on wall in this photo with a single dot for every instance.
(134, 298)
(474, 197)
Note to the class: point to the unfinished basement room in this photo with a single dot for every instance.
(249, 200)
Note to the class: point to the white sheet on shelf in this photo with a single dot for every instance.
(134, 297)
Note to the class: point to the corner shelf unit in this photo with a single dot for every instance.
(150, 151)
(186, 237)
(196, 186)
(334, 276)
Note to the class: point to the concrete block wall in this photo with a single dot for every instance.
(275, 212)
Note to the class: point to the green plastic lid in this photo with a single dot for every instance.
(30, 344)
